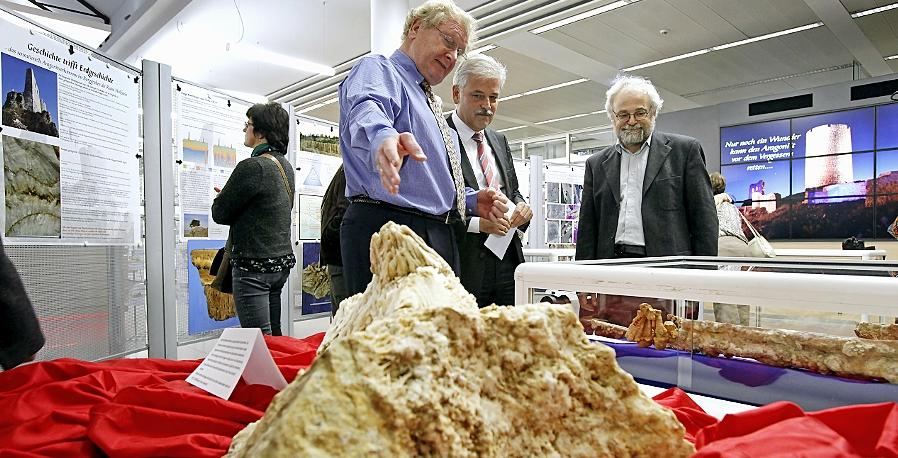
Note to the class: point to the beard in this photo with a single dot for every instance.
(635, 135)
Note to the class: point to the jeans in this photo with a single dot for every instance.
(338, 287)
(257, 297)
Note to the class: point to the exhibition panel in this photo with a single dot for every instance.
(749, 330)
(72, 209)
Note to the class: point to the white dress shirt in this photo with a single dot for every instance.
(466, 135)
(632, 177)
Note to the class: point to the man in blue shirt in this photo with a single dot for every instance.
(387, 112)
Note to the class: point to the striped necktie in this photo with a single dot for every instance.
(486, 162)
(454, 160)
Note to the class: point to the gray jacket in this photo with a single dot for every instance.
(257, 207)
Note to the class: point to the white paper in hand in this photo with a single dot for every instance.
(498, 244)
(238, 352)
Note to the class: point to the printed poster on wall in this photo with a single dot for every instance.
(563, 191)
(315, 282)
(69, 141)
(208, 128)
(207, 309)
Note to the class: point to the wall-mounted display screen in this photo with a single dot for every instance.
(887, 126)
(764, 141)
(828, 176)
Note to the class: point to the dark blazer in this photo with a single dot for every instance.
(470, 247)
(678, 213)
(333, 206)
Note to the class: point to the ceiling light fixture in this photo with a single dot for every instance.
(317, 105)
(569, 117)
(767, 37)
(724, 46)
(581, 16)
(874, 10)
(85, 30)
(891, 57)
(544, 89)
(511, 128)
(482, 49)
(254, 53)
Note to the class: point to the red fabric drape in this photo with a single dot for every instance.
(144, 408)
(131, 407)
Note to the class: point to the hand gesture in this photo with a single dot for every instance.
(390, 155)
(499, 228)
(491, 204)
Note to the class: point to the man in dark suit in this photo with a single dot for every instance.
(647, 195)
(486, 163)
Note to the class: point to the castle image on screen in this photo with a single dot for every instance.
(821, 167)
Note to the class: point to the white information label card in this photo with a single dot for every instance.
(238, 352)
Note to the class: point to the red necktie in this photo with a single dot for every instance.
(486, 162)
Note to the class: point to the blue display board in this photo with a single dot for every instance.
(310, 304)
(198, 319)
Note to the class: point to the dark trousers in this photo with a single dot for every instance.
(257, 297)
(362, 220)
(497, 281)
(338, 287)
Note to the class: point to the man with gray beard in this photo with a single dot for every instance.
(648, 195)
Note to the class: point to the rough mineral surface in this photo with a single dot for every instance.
(423, 372)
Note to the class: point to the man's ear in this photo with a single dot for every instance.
(456, 94)
(414, 29)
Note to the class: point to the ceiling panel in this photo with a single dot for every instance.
(777, 57)
(587, 96)
(524, 74)
(882, 30)
(853, 6)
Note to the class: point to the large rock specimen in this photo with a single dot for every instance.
(413, 368)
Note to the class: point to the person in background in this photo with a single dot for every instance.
(332, 209)
(486, 163)
(731, 243)
(649, 194)
(389, 115)
(20, 332)
(256, 202)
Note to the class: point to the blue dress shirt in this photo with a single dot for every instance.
(380, 98)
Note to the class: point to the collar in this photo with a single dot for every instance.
(407, 66)
(260, 149)
(645, 145)
(464, 132)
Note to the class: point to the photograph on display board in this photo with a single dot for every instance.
(31, 101)
(759, 142)
(315, 281)
(195, 151)
(555, 211)
(553, 232)
(32, 190)
(887, 126)
(329, 145)
(553, 192)
(567, 232)
(196, 225)
(207, 308)
(224, 156)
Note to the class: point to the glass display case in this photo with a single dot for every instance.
(749, 330)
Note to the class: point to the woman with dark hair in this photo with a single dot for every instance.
(256, 202)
